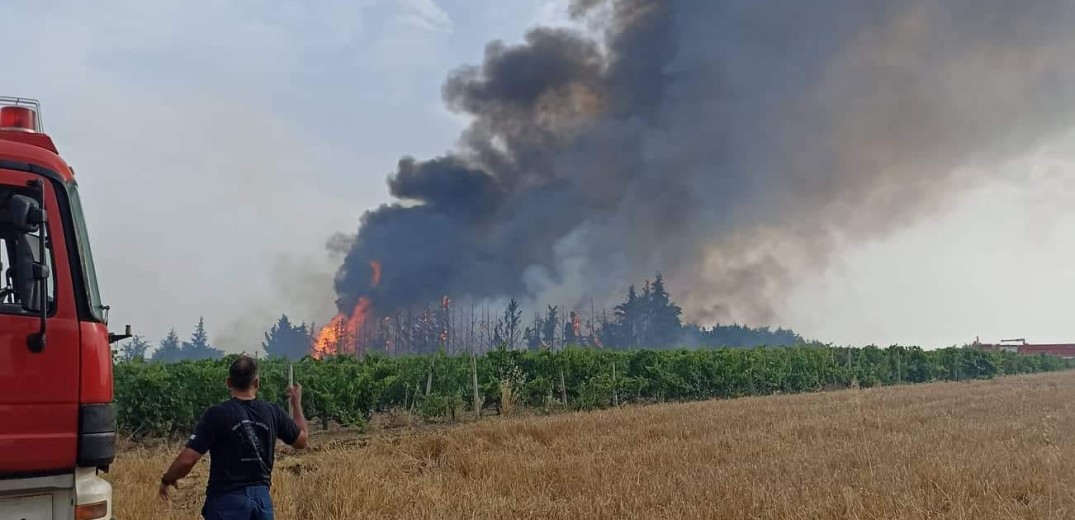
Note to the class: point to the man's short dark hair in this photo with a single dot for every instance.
(243, 372)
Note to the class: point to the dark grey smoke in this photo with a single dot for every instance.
(731, 145)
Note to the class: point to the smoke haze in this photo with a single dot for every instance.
(733, 146)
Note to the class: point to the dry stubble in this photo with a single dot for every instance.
(982, 450)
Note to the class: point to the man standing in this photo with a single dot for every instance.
(240, 435)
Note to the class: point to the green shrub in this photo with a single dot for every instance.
(155, 399)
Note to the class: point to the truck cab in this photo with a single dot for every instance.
(58, 425)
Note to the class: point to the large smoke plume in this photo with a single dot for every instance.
(732, 145)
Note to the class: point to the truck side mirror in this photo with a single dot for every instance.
(23, 213)
(30, 274)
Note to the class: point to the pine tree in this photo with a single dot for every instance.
(498, 340)
(623, 332)
(644, 318)
(169, 350)
(664, 326)
(287, 340)
(548, 328)
(198, 347)
(512, 317)
(651, 319)
(532, 334)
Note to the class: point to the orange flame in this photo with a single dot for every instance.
(341, 334)
(358, 316)
(328, 339)
(376, 266)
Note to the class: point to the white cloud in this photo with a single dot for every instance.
(425, 14)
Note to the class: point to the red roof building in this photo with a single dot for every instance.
(1064, 350)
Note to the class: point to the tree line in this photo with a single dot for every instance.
(285, 339)
(648, 318)
(171, 348)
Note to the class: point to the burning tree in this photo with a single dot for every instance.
(336, 338)
(649, 318)
(343, 333)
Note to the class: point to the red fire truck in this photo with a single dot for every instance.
(57, 421)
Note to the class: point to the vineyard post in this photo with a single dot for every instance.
(853, 365)
(615, 391)
(474, 381)
(563, 387)
(429, 376)
(832, 355)
(290, 382)
(899, 367)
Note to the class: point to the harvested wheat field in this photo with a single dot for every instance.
(989, 449)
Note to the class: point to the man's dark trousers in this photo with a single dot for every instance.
(248, 503)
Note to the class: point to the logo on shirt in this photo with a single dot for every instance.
(243, 422)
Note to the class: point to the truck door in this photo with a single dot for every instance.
(38, 390)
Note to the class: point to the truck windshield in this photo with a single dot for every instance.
(89, 275)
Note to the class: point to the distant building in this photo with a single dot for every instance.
(1063, 350)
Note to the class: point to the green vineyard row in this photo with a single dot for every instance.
(166, 399)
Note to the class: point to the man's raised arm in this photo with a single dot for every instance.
(295, 393)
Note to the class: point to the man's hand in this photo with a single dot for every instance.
(164, 489)
(294, 392)
(180, 467)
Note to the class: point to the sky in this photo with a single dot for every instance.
(220, 144)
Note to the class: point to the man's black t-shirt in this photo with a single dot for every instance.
(240, 436)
